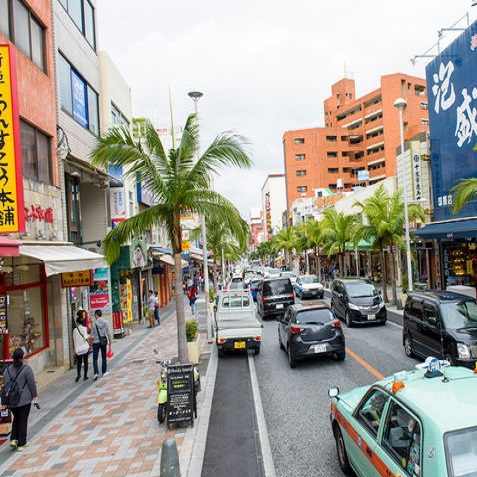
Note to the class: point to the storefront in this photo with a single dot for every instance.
(34, 303)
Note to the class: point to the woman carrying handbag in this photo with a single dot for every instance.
(81, 346)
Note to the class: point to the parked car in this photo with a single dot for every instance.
(416, 423)
(308, 286)
(442, 324)
(274, 296)
(307, 330)
(291, 275)
(356, 300)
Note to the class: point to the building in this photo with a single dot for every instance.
(256, 228)
(453, 135)
(273, 204)
(357, 146)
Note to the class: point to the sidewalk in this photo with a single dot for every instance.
(110, 427)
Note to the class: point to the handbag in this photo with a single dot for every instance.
(102, 339)
(110, 353)
(86, 349)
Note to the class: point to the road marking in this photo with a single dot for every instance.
(363, 363)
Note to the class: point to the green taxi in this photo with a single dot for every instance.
(418, 423)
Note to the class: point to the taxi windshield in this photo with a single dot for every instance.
(459, 315)
(308, 280)
(461, 452)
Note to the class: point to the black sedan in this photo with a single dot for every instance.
(310, 330)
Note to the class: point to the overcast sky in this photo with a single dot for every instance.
(265, 67)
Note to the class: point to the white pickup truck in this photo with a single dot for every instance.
(236, 324)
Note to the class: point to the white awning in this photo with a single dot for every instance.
(64, 258)
(166, 258)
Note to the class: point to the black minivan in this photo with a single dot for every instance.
(274, 296)
(442, 324)
(356, 300)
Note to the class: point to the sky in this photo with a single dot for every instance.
(265, 67)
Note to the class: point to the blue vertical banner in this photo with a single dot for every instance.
(452, 92)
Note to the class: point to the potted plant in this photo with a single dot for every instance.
(193, 341)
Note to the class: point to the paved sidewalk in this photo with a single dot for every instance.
(110, 427)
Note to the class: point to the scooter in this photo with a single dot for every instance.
(162, 395)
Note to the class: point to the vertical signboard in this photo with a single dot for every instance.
(415, 147)
(180, 393)
(268, 216)
(12, 217)
(452, 92)
(118, 205)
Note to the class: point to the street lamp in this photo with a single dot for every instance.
(196, 95)
(400, 103)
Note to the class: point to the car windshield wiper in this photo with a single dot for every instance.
(465, 328)
(362, 296)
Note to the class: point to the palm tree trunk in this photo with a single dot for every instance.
(181, 335)
(384, 288)
(318, 263)
(392, 274)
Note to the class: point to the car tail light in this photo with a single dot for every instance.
(220, 340)
(264, 299)
(292, 295)
(294, 329)
(335, 324)
(258, 338)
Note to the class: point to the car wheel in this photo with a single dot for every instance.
(257, 350)
(348, 321)
(221, 352)
(341, 450)
(322, 296)
(340, 356)
(449, 358)
(408, 346)
(291, 359)
(280, 341)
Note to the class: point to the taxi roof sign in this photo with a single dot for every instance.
(432, 366)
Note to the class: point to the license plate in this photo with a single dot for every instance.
(320, 348)
(371, 317)
(239, 344)
(280, 306)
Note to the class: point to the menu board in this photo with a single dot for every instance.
(180, 390)
(3, 315)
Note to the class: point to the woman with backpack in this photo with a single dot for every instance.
(24, 379)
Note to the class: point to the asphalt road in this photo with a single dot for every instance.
(295, 403)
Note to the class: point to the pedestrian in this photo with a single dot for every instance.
(81, 348)
(151, 304)
(156, 308)
(101, 339)
(202, 283)
(26, 383)
(192, 295)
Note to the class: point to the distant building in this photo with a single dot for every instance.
(274, 202)
(357, 146)
(256, 228)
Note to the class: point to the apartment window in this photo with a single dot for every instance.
(299, 140)
(36, 154)
(425, 121)
(78, 98)
(423, 105)
(299, 157)
(331, 154)
(301, 188)
(331, 138)
(82, 13)
(117, 117)
(301, 172)
(73, 208)
(19, 24)
(333, 170)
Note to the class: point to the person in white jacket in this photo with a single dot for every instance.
(81, 347)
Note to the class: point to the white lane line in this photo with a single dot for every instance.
(268, 466)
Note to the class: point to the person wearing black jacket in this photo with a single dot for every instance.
(26, 383)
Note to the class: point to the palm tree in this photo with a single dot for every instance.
(464, 191)
(286, 239)
(337, 233)
(314, 240)
(178, 182)
(385, 228)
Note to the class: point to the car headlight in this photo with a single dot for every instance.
(352, 306)
(463, 351)
(381, 304)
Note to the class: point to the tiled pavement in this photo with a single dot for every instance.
(109, 427)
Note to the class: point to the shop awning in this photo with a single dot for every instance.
(161, 250)
(166, 258)
(456, 229)
(9, 247)
(63, 258)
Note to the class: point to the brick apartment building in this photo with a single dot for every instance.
(360, 134)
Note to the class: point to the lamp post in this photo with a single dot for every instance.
(400, 104)
(195, 96)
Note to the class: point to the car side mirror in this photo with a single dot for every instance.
(432, 320)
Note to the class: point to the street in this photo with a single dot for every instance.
(295, 401)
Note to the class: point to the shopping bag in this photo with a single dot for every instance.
(110, 353)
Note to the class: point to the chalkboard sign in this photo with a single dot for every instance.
(180, 391)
